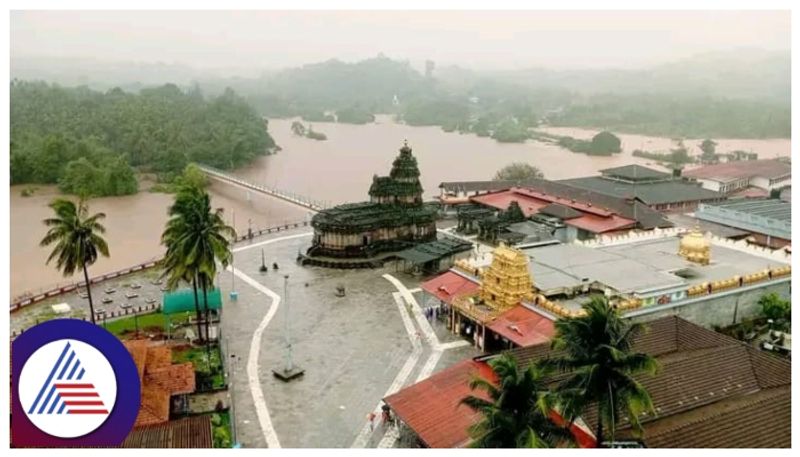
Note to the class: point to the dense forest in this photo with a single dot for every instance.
(723, 96)
(736, 94)
(92, 142)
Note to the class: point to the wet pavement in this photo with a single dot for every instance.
(353, 348)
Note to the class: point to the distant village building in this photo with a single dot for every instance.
(768, 221)
(710, 391)
(660, 191)
(573, 213)
(738, 176)
(394, 219)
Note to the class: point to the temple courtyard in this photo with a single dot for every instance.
(355, 349)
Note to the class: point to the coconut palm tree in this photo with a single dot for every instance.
(598, 357)
(196, 238)
(516, 412)
(77, 238)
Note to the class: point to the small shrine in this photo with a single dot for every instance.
(695, 247)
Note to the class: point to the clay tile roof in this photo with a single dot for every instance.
(760, 420)
(191, 432)
(160, 379)
(175, 379)
(157, 357)
(523, 326)
(432, 407)
(448, 285)
(138, 350)
(154, 407)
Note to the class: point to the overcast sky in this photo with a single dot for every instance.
(474, 39)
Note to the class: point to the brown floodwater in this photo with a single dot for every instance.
(133, 229)
(337, 170)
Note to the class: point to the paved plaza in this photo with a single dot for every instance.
(355, 349)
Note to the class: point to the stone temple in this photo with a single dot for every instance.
(394, 219)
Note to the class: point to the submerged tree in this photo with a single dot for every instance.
(518, 171)
(77, 238)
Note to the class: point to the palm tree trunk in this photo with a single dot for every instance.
(599, 433)
(88, 292)
(205, 305)
(197, 308)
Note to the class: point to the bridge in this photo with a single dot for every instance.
(290, 197)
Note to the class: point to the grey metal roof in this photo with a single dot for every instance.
(635, 173)
(769, 208)
(651, 193)
(434, 250)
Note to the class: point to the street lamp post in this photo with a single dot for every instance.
(289, 370)
(234, 295)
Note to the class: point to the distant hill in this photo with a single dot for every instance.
(743, 93)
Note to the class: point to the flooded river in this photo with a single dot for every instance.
(337, 170)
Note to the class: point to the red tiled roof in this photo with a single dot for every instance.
(448, 285)
(593, 218)
(502, 199)
(598, 224)
(523, 326)
(159, 378)
(571, 203)
(730, 171)
(433, 407)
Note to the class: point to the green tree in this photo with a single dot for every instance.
(775, 308)
(516, 413)
(709, 148)
(80, 178)
(77, 240)
(196, 237)
(518, 171)
(605, 143)
(600, 367)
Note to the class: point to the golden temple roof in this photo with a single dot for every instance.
(695, 247)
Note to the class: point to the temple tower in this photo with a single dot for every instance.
(402, 186)
(507, 281)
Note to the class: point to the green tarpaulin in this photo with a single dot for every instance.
(183, 300)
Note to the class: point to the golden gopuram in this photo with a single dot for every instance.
(695, 247)
(504, 284)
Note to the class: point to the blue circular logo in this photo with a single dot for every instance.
(73, 384)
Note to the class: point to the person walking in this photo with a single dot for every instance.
(371, 420)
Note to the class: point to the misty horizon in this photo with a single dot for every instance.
(247, 44)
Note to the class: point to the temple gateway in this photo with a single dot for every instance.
(394, 219)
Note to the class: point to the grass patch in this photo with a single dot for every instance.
(207, 365)
(221, 429)
(152, 322)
